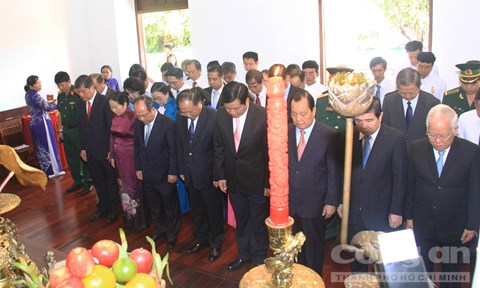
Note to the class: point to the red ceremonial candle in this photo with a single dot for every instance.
(277, 121)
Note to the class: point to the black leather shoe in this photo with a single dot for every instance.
(171, 243)
(95, 216)
(74, 187)
(194, 249)
(87, 189)
(237, 264)
(214, 254)
(111, 219)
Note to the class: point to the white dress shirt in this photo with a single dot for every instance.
(413, 103)
(469, 126)
(200, 83)
(316, 89)
(434, 85)
(175, 92)
(386, 86)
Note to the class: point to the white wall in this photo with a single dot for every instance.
(455, 36)
(77, 36)
(277, 30)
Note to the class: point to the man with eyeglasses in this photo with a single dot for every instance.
(431, 83)
(156, 166)
(194, 128)
(379, 177)
(407, 108)
(176, 82)
(443, 200)
(314, 87)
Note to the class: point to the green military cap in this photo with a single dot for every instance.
(469, 71)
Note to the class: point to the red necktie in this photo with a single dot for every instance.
(257, 100)
(301, 144)
(89, 108)
(236, 135)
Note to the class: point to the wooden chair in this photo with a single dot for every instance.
(11, 130)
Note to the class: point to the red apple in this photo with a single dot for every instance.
(143, 260)
(72, 282)
(106, 252)
(80, 262)
(58, 275)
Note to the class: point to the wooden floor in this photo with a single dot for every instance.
(55, 219)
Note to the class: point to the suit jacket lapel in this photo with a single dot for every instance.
(430, 159)
(375, 148)
(152, 130)
(310, 143)
(292, 142)
(452, 154)
(201, 122)
(401, 113)
(418, 110)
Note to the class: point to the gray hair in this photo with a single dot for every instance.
(442, 110)
(408, 76)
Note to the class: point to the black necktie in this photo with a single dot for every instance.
(257, 100)
(191, 132)
(409, 114)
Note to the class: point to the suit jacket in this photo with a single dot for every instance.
(94, 132)
(158, 159)
(246, 169)
(394, 115)
(444, 206)
(315, 179)
(208, 98)
(195, 161)
(293, 90)
(379, 189)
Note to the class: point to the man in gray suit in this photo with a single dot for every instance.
(407, 108)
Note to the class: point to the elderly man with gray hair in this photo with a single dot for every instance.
(443, 200)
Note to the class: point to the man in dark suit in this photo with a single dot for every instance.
(256, 85)
(95, 121)
(194, 128)
(100, 85)
(215, 80)
(407, 108)
(241, 159)
(379, 177)
(156, 166)
(314, 178)
(290, 90)
(443, 200)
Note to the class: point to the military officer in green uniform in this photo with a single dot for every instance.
(462, 99)
(67, 102)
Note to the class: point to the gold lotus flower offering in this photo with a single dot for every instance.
(350, 94)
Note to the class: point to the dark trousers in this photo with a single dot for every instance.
(252, 236)
(356, 225)
(450, 262)
(78, 168)
(207, 212)
(105, 183)
(164, 207)
(313, 250)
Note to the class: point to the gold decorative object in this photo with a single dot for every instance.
(16, 267)
(280, 270)
(303, 277)
(350, 94)
(366, 244)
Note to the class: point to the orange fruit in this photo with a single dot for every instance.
(142, 280)
(101, 277)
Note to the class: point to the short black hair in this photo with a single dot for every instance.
(375, 107)
(133, 68)
(83, 80)
(140, 74)
(250, 55)
(134, 84)
(215, 68)
(291, 67)
(195, 95)
(310, 64)
(175, 72)
(378, 60)
(426, 57)
(61, 77)
(212, 63)
(233, 91)
(166, 66)
(160, 87)
(408, 76)
(414, 46)
(297, 97)
(119, 97)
